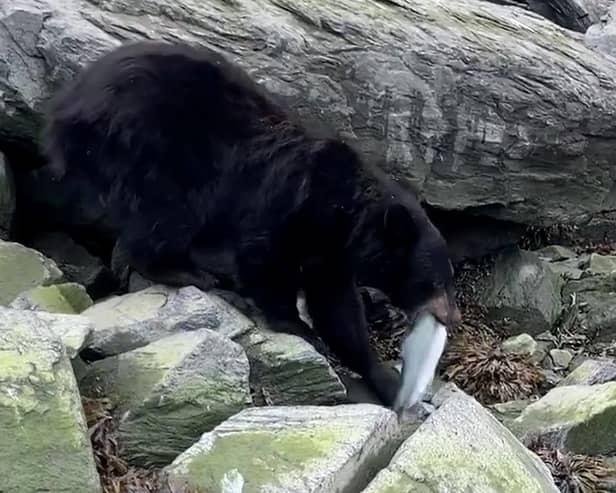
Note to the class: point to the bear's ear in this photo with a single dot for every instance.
(399, 226)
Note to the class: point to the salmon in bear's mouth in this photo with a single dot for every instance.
(421, 351)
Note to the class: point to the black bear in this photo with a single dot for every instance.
(209, 181)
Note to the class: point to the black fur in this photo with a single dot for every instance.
(206, 180)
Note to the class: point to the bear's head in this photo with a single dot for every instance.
(408, 259)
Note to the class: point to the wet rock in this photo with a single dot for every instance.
(133, 320)
(77, 264)
(68, 298)
(462, 447)
(311, 449)
(287, 370)
(591, 372)
(45, 444)
(23, 268)
(577, 417)
(171, 391)
(523, 292)
(7, 198)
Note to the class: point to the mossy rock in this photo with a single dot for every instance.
(45, 444)
(69, 298)
(289, 448)
(581, 418)
(462, 447)
(23, 268)
(171, 391)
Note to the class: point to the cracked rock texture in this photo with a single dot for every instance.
(481, 106)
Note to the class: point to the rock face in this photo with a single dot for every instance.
(45, 445)
(443, 115)
(7, 198)
(133, 320)
(309, 449)
(22, 268)
(523, 292)
(171, 391)
(577, 417)
(461, 447)
(602, 35)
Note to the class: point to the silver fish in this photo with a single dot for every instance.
(421, 352)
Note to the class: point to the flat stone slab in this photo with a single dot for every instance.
(22, 268)
(45, 444)
(133, 320)
(70, 298)
(461, 447)
(171, 391)
(591, 372)
(306, 449)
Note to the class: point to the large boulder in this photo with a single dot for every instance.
(324, 449)
(170, 392)
(444, 115)
(45, 444)
(462, 447)
(577, 417)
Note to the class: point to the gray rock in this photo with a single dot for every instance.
(577, 417)
(23, 268)
(171, 391)
(70, 298)
(591, 372)
(133, 320)
(311, 449)
(522, 344)
(601, 264)
(462, 447)
(594, 301)
(73, 331)
(287, 370)
(7, 199)
(506, 411)
(77, 264)
(550, 378)
(556, 253)
(443, 115)
(523, 292)
(601, 36)
(561, 358)
(45, 444)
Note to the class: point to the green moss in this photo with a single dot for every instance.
(261, 456)
(70, 298)
(46, 443)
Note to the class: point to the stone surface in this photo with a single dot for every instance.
(556, 253)
(594, 300)
(306, 448)
(523, 292)
(7, 198)
(591, 372)
(77, 264)
(22, 268)
(578, 417)
(443, 115)
(521, 344)
(287, 370)
(561, 358)
(601, 264)
(171, 391)
(73, 331)
(68, 298)
(601, 36)
(133, 320)
(505, 411)
(462, 447)
(45, 444)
